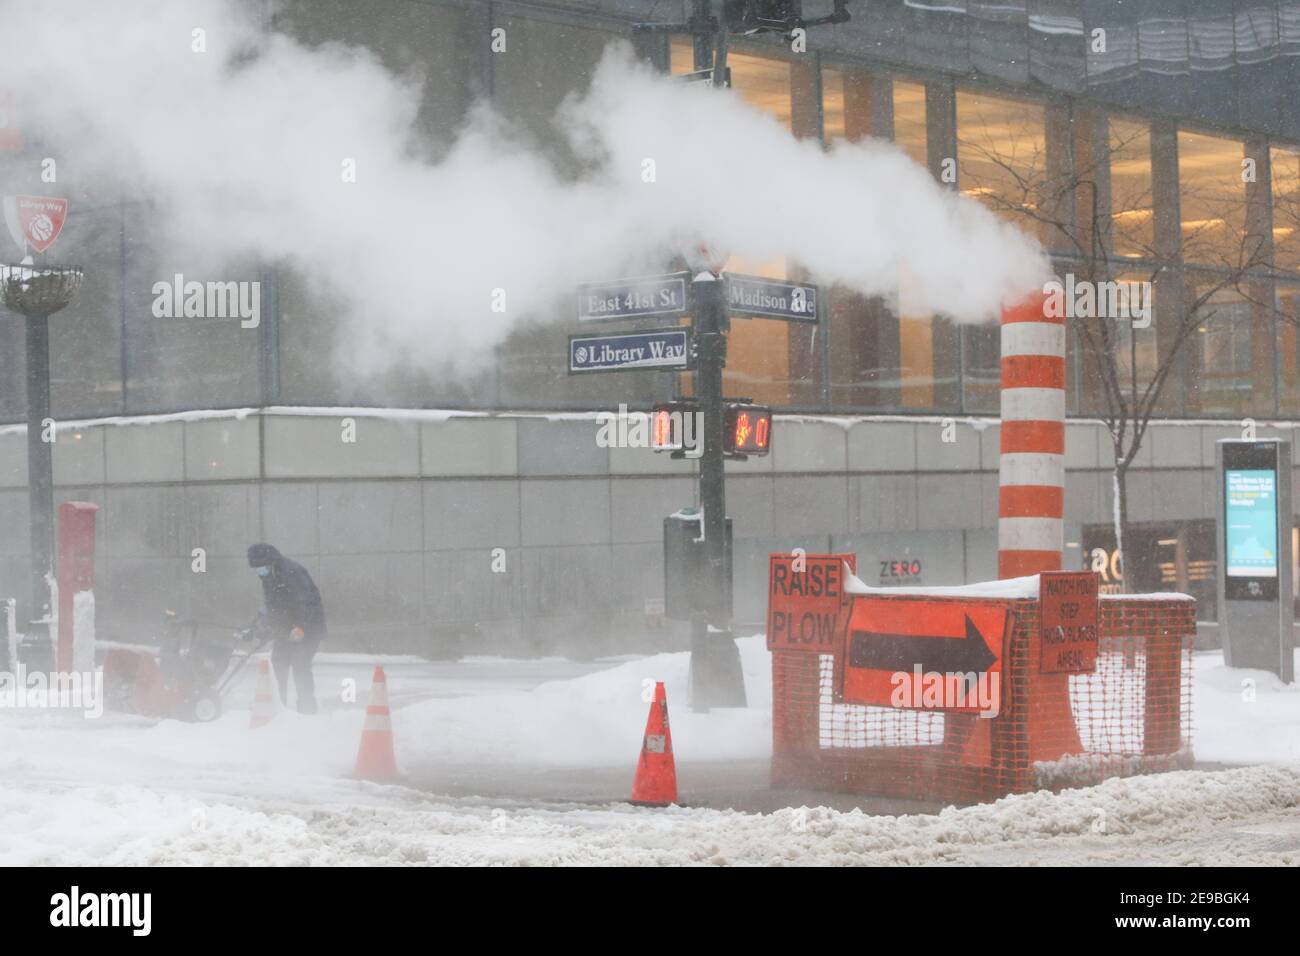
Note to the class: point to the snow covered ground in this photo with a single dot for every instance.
(126, 790)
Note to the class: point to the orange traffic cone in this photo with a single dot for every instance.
(656, 774)
(263, 696)
(375, 758)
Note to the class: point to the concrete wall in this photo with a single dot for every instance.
(400, 518)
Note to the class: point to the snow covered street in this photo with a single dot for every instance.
(1233, 817)
(126, 790)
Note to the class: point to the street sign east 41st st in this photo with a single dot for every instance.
(659, 296)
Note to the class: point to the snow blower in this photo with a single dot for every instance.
(188, 677)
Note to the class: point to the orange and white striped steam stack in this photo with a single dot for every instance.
(1031, 480)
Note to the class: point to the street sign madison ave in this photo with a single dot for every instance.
(770, 298)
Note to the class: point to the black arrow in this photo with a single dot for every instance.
(902, 652)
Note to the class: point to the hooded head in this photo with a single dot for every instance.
(262, 556)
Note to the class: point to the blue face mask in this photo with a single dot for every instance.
(263, 571)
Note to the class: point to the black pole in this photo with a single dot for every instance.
(716, 676)
(700, 684)
(717, 679)
(40, 465)
(711, 356)
(702, 35)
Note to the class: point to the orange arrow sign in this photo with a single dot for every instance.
(925, 653)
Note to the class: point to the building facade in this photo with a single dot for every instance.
(1171, 123)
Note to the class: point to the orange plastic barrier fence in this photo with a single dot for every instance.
(1131, 715)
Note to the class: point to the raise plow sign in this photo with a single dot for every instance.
(807, 608)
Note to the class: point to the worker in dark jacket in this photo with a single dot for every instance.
(296, 617)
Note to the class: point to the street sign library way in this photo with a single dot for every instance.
(625, 351)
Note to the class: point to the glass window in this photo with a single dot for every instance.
(1286, 209)
(1002, 155)
(439, 44)
(1288, 351)
(533, 372)
(1235, 350)
(981, 378)
(850, 100)
(927, 345)
(542, 64)
(681, 55)
(868, 336)
(864, 350)
(909, 120)
(918, 369)
(1132, 216)
(85, 338)
(178, 361)
(1212, 196)
(322, 360)
(1131, 354)
(763, 82)
(833, 82)
(889, 352)
(13, 369)
(773, 362)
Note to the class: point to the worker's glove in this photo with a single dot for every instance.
(296, 635)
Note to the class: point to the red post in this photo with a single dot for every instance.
(75, 569)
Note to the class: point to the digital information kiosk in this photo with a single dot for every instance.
(1256, 613)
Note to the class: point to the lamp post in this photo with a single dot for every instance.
(37, 292)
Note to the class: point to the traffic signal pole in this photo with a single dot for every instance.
(717, 679)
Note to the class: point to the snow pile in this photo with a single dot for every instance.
(1243, 716)
(125, 790)
(592, 721)
(1239, 816)
(1007, 589)
(595, 720)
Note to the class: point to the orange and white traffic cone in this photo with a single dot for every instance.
(375, 757)
(656, 774)
(263, 696)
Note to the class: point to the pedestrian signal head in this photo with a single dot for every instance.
(747, 429)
